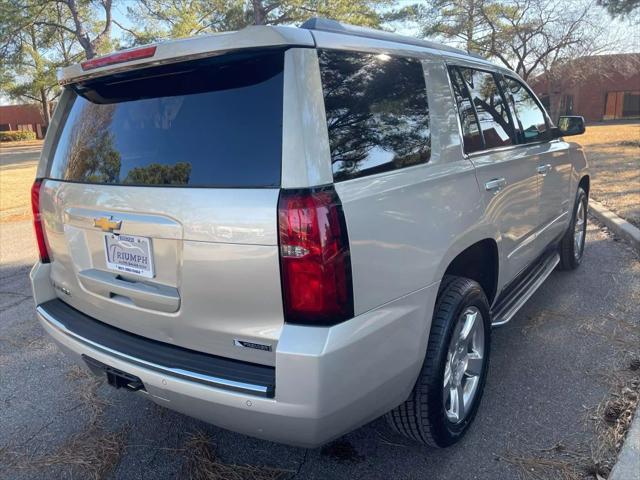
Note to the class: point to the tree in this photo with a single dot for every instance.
(32, 54)
(79, 18)
(37, 72)
(159, 19)
(277, 12)
(533, 36)
(37, 38)
(158, 174)
(92, 38)
(460, 20)
(182, 18)
(90, 150)
(527, 36)
(620, 8)
(374, 106)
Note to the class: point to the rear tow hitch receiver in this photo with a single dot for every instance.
(116, 378)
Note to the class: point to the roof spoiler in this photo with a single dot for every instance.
(181, 50)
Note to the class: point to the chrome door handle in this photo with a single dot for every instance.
(544, 169)
(495, 185)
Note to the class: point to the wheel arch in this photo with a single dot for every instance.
(480, 262)
(585, 183)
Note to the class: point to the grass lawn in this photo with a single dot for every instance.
(17, 171)
(15, 191)
(613, 151)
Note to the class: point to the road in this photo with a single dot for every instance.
(19, 155)
(551, 367)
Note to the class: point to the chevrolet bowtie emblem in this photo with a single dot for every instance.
(107, 224)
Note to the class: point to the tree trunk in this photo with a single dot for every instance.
(259, 15)
(471, 26)
(80, 32)
(45, 107)
(86, 45)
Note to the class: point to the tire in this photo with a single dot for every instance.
(424, 416)
(572, 243)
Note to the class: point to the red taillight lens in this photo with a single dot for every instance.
(37, 222)
(314, 257)
(120, 57)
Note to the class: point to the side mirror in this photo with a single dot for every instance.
(570, 125)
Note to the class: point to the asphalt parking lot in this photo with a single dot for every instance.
(551, 368)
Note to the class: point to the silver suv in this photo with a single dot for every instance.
(289, 232)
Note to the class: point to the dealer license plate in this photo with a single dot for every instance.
(129, 254)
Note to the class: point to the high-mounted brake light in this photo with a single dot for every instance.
(314, 257)
(37, 222)
(120, 57)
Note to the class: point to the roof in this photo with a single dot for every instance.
(249, 37)
(327, 25)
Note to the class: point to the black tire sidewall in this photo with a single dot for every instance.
(582, 198)
(567, 251)
(444, 432)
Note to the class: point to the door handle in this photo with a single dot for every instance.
(145, 295)
(495, 184)
(543, 169)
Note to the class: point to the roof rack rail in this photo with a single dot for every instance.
(329, 25)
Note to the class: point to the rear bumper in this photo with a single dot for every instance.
(328, 381)
(163, 358)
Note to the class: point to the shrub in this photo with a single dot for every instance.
(17, 135)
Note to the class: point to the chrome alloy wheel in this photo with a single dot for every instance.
(579, 230)
(465, 362)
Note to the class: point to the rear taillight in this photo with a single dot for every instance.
(314, 257)
(37, 222)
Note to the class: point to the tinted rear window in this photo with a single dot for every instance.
(377, 112)
(214, 122)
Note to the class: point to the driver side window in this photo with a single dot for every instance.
(531, 119)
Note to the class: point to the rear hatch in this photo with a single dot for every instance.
(160, 203)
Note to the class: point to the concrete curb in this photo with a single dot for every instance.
(617, 225)
(627, 466)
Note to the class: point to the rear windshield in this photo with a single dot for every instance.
(214, 122)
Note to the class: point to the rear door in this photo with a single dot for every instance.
(552, 161)
(506, 173)
(160, 203)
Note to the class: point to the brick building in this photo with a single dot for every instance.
(22, 117)
(600, 88)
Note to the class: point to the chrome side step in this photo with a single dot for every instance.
(508, 306)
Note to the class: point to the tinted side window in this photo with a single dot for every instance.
(471, 135)
(491, 108)
(531, 119)
(215, 122)
(377, 112)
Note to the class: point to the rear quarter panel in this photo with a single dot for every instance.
(579, 164)
(406, 226)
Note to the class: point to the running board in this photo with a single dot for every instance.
(508, 306)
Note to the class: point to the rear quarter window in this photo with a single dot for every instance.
(214, 122)
(377, 112)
